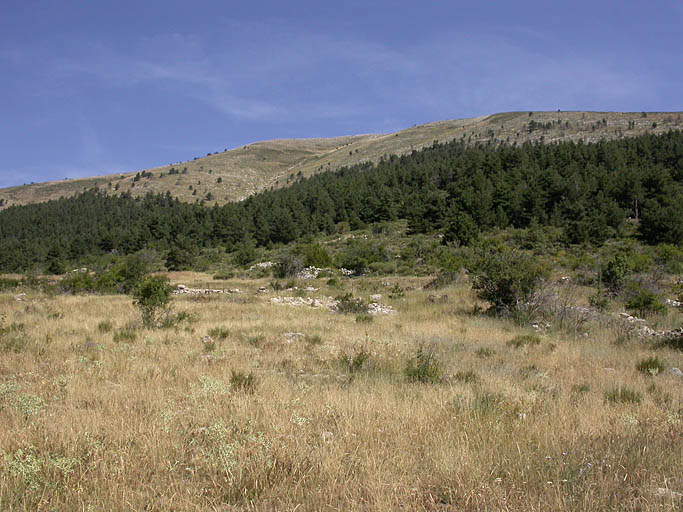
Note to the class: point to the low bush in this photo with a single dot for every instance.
(364, 318)
(650, 366)
(356, 362)
(220, 333)
(241, 381)
(523, 340)
(105, 326)
(347, 304)
(623, 395)
(642, 301)
(126, 335)
(467, 376)
(424, 367)
(507, 278)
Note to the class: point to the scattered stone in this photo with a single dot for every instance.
(375, 308)
(263, 264)
(327, 437)
(437, 299)
(346, 272)
(181, 289)
(674, 303)
(20, 297)
(609, 369)
(293, 334)
(675, 371)
(376, 297)
(309, 273)
(262, 289)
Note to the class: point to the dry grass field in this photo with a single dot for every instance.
(299, 408)
(237, 173)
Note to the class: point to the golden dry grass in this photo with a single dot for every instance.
(255, 167)
(161, 423)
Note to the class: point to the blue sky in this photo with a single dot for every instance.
(90, 88)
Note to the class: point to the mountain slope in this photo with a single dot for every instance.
(240, 172)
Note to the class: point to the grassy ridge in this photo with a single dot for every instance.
(259, 166)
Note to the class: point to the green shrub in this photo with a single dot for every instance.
(507, 278)
(314, 255)
(524, 339)
(650, 366)
(424, 367)
(78, 282)
(642, 301)
(224, 275)
(152, 296)
(348, 304)
(623, 395)
(615, 271)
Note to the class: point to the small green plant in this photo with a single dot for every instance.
(126, 335)
(314, 339)
(105, 326)
(220, 333)
(487, 403)
(580, 389)
(466, 376)
(276, 285)
(396, 292)
(650, 366)
(623, 395)
(364, 318)
(333, 282)
(241, 381)
(169, 320)
(354, 363)
(424, 367)
(484, 352)
(224, 275)
(523, 340)
(598, 301)
(256, 340)
(152, 296)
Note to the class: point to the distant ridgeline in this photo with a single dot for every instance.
(589, 190)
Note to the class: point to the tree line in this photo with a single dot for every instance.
(593, 191)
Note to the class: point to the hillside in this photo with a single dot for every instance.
(240, 172)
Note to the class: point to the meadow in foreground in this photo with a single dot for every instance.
(241, 404)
